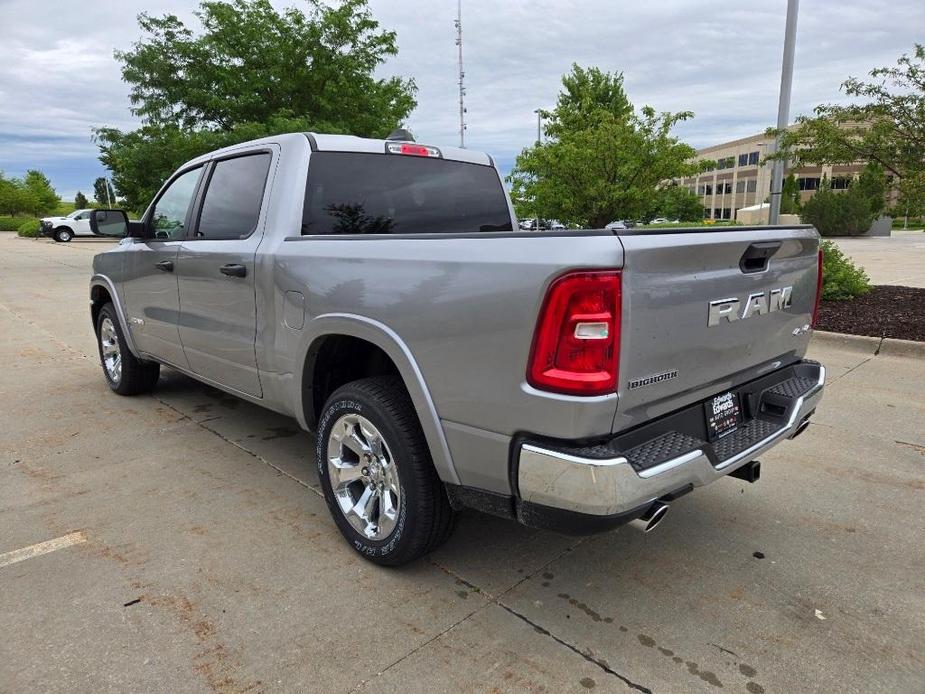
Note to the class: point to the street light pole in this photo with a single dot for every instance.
(783, 107)
(462, 76)
(539, 141)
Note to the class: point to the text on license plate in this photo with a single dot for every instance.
(723, 415)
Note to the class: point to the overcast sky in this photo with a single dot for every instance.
(720, 59)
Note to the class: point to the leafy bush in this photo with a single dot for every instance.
(841, 278)
(29, 228)
(12, 223)
(846, 213)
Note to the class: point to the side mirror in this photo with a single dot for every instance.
(112, 223)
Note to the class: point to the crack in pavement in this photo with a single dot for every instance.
(254, 454)
(496, 600)
(587, 656)
(362, 684)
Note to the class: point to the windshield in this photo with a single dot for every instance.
(353, 193)
(73, 215)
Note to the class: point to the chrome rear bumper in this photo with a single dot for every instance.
(554, 477)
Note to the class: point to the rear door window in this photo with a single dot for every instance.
(354, 193)
(232, 202)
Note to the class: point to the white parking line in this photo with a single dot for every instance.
(18, 555)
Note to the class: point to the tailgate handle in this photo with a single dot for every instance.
(756, 256)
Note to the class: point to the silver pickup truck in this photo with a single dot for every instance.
(380, 292)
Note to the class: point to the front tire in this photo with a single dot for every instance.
(377, 474)
(63, 235)
(124, 372)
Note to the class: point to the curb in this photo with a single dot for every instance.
(854, 343)
(865, 344)
(902, 348)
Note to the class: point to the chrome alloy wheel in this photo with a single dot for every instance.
(109, 346)
(363, 476)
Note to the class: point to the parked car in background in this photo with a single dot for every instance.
(531, 225)
(556, 224)
(660, 220)
(63, 229)
(617, 224)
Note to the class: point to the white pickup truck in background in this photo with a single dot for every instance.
(63, 229)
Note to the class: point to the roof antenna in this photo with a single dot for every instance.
(401, 135)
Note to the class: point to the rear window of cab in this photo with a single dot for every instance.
(360, 193)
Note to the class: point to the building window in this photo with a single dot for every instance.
(706, 212)
(751, 185)
(841, 183)
(808, 183)
(740, 186)
(752, 158)
(723, 188)
(727, 213)
(743, 160)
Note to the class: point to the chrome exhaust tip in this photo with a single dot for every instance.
(800, 428)
(648, 521)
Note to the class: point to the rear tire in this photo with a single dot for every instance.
(124, 372)
(63, 235)
(370, 440)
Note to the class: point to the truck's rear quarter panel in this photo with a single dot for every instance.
(466, 308)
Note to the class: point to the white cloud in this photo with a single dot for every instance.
(718, 59)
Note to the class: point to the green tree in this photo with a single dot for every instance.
(80, 201)
(678, 202)
(250, 71)
(845, 213)
(44, 198)
(883, 124)
(601, 160)
(16, 196)
(790, 196)
(103, 192)
(8, 192)
(871, 184)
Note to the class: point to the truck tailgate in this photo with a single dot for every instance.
(675, 349)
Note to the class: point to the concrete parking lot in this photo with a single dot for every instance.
(199, 556)
(898, 259)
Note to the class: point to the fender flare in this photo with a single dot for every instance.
(107, 284)
(389, 342)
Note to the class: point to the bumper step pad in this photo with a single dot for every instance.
(673, 444)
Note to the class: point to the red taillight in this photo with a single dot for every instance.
(576, 346)
(818, 290)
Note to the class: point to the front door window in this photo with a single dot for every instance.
(168, 218)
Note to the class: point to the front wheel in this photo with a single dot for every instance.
(377, 474)
(63, 235)
(125, 373)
